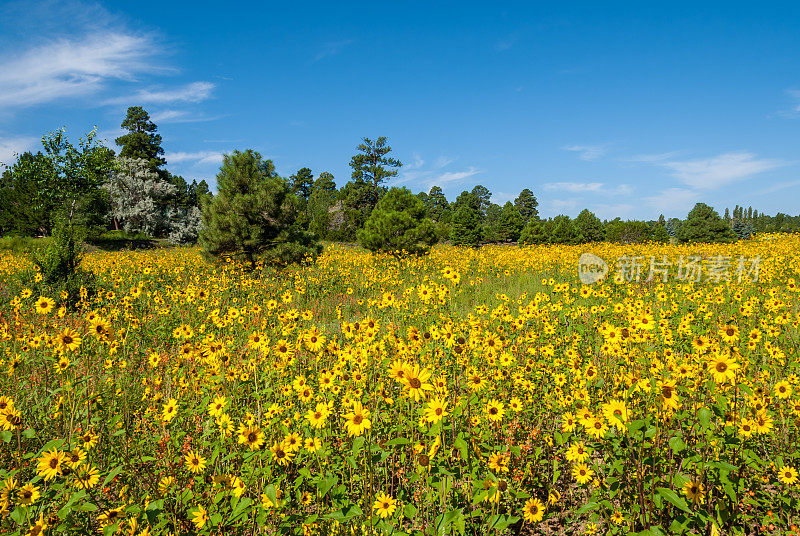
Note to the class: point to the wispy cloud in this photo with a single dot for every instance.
(196, 158)
(449, 177)
(589, 187)
(588, 152)
(650, 158)
(72, 67)
(193, 92)
(11, 147)
(674, 202)
(719, 171)
(505, 43)
(332, 48)
(778, 187)
(180, 116)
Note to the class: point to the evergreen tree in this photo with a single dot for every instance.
(536, 232)
(491, 223)
(22, 211)
(254, 215)
(589, 227)
(398, 223)
(511, 223)
(436, 205)
(484, 197)
(372, 166)
(301, 183)
(465, 225)
(564, 231)
(527, 205)
(703, 224)
(659, 234)
(141, 141)
(320, 201)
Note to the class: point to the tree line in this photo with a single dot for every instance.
(256, 214)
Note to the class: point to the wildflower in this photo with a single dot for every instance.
(169, 411)
(783, 389)
(44, 305)
(68, 340)
(787, 474)
(495, 410)
(582, 473)
(533, 510)
(384, 505)
(436, 410)
(50, 464)
(280, 454)
(694, 491)
(357, 420)
(317, 417)
(416, 382)
(194, 462)
(28, 494)
(200, 517)
(252, 436)
(217, 406)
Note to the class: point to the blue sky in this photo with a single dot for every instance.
(627, 111)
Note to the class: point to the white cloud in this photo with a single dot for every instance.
(451, 176)
(718, 171)
(179, 116)
(588, 152)
(332, 48)
(417, 162)
(198, 158)
(501, 197)
(10, 147)
(72, 67)
(674, 202)
(193, 92)
(611, 211)
(574, 187)
(443, 161)
(778, 187)
(650, 158)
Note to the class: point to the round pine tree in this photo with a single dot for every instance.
(703, 224)
(510, 224)
(254, 215)
(465, 226)
(398, 223)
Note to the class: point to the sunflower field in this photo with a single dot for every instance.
(469, 391)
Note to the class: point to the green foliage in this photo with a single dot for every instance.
(398, 223)
(703, 224)
(564, 231)
(141, 141)
(254, 215)
(536, 232)
(372, 166)
(437, 206)
(627, 232)
(743, 230)
(491, 223)
(510, 224)
(58, 264)
(527, 205)
(301, 183)
(465, 227)
(484, 198)
(659, 234)
(589, 226)
(320, 201)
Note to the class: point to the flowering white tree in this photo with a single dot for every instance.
(137, 197)
(186, 225)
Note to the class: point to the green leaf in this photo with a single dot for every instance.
(588, 507)
(6, 435)
(398, 441)
(673, 498)
(326, 484)
(676, 444)
(704, 415)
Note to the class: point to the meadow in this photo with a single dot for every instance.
(469, 391)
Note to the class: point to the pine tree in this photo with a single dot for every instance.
(322, 198)
(254, 215)
(372, 166)
(491, 223)
(465, 226)
(589, 227)
(564, 231)
(438, 209)
(510, 224)
(703, 224)
(527, 205)
(484, 198)
(536, 232)
(141, 141)
(302, 182)
(397, 224)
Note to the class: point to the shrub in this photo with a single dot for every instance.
(398, 223)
